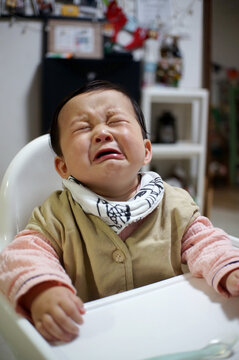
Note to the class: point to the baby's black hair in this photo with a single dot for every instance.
(87, 88)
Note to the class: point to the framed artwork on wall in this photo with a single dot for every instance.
(81, 38)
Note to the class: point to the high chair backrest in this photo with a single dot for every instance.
(29, 179)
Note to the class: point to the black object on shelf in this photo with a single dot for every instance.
(166, 129)
(61, 76)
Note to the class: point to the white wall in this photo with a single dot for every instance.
(191, 44)
(20, 56)
(20, 77)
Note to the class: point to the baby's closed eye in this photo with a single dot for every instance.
(81, 127)
(116, 122)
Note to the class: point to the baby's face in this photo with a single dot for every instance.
(101, 141)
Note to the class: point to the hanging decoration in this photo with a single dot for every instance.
(122, 23)
(115, 15)
(170, 66)
(161, 55)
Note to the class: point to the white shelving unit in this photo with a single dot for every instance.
(190, 109)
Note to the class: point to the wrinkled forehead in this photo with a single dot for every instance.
(98, 100)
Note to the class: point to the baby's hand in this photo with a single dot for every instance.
(55, 312)
(231, 282)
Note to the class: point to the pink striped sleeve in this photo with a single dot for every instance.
(209, 253)
(28, 261)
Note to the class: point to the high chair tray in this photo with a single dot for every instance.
(176, 315)
(179, 314)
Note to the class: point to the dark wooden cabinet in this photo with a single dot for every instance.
(61, 76)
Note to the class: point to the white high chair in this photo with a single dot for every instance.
(29, 179)
(114, 320)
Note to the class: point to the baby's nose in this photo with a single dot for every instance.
(102, 136)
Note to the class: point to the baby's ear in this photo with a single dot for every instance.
(61, 167)
(148, 151)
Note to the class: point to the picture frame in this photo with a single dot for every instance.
(81, 38)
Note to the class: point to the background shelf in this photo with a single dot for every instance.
(187, 155)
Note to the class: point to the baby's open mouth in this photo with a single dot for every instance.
(105, 154)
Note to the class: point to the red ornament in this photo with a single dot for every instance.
(139, 36)
(115, 16)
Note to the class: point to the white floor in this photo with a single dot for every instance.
(225, 210)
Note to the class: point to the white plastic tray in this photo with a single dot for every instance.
(175, 315)
(179, 314)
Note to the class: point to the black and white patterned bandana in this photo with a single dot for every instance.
(119, 214)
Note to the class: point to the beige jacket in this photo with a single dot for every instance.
(98, 262)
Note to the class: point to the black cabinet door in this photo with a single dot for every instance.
(61, 76)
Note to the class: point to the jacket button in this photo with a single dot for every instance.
(118, 256)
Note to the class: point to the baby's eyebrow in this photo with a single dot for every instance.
(112, 112)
